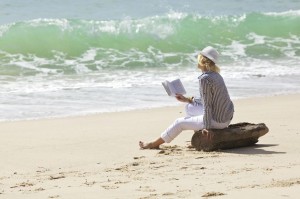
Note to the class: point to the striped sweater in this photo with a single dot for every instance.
(216, 102)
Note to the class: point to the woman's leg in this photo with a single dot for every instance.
(152, 145)
(187, 123)
(192, 122)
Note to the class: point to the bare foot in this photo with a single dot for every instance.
(149, 145)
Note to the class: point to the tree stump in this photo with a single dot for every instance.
(235, 135)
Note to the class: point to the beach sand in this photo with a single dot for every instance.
(98, 156)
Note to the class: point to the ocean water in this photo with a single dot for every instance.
(62, 58)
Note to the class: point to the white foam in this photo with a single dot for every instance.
(176, 15)
(89, 55)
(285, 13)
(235, 49)
(4, 28)
(107, 26)
(63, 24)
(257, 39)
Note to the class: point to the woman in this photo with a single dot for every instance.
(214, 109)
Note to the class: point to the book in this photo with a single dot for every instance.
(174, 87)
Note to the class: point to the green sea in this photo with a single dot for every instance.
(62, 58)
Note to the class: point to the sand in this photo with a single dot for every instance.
(97, 156)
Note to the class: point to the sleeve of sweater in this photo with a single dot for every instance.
(207, 102)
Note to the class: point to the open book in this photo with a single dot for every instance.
(174, 87)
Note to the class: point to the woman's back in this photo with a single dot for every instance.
(215, 98)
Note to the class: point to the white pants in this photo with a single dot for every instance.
(193, 121)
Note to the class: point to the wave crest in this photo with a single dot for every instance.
(66, 46)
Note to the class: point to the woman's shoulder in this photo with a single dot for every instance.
(209, 75)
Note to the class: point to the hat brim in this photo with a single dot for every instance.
(208, 56)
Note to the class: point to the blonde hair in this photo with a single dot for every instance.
(208, 64)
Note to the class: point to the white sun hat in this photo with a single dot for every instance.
(210, 53)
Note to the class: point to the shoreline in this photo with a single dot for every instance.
(91, 114)
(98, 155)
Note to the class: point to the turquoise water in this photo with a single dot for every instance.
(60, 58)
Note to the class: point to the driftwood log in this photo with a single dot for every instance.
(235, 135)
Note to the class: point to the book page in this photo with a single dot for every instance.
(178, 87)
(166, 86)
(174, 87)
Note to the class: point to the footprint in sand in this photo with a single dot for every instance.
(108, 187)
(56, 177)
(145, 189)
(168, 194)
(137, 158)
(89, 183)
(39, 189)
(42, 170)
(55, 196)
(121, 182)
(212, 194)
(23, 184)
(151, 196)
(285, 183)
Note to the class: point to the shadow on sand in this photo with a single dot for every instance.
(254, 149)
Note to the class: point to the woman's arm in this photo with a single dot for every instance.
(182, 98)
(206, 91)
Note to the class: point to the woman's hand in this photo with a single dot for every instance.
(205, 132)
(209, 135)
